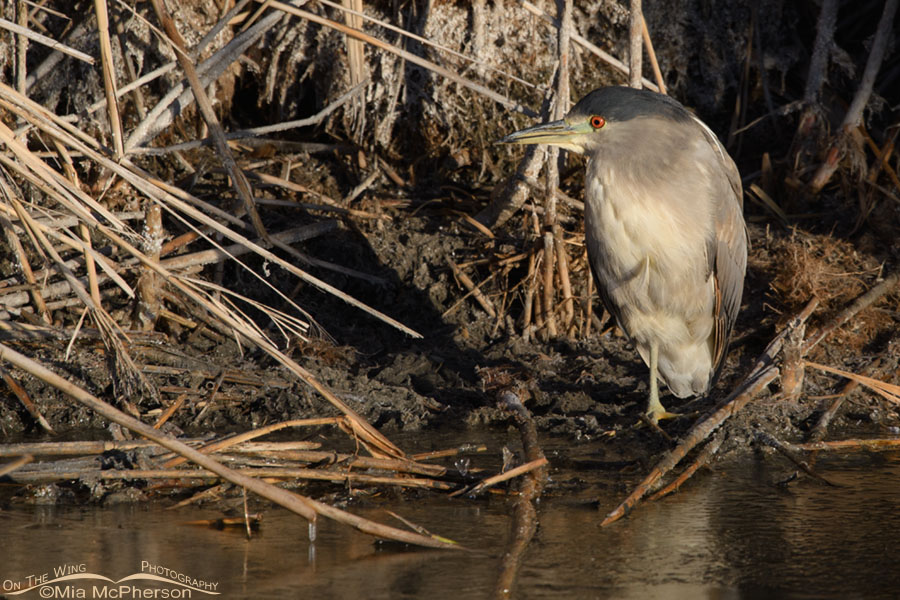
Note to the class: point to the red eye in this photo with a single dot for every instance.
(597, 121)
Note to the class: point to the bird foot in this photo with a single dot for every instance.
(657, 414)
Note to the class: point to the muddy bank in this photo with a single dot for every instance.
(392, 170)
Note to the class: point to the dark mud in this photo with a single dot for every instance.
(584, 390)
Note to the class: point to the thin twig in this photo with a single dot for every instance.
(860, 303)
(43, 39)
(464, 279)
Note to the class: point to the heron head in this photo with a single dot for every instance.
(595, 119)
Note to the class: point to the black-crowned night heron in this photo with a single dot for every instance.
(664, 229)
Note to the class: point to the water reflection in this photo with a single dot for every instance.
(729, 534)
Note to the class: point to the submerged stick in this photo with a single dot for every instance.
(51, 475)
(848, 445)
(702, 460)
(700, 432)
(524, 520)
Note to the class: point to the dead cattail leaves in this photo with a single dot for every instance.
(803, 265)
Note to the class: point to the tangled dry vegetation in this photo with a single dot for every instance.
(167, 174)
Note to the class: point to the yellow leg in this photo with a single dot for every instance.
(655, 409)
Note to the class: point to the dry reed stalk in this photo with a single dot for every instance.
(295, 187)
(34, 289)
(822, 47)
(821, 428)
(21, 48)
(501, 477)
(467, 449)
(818, 71)
(170, 410)
(784, 450)
(212, 493)
(220, 445)
(568, 302)
(212, 255)
(888, 391)
(559, 108)
(588, 297)
(46, 41)
(293, 451)
(252, 132)
(792, 364)
(15, 465)
(90, 264)
(148, 305)
(426, 42)
(356, 63)
(109, 78)
(31, 225)
(238, 179)
(882, 157)
(860, 303)
(739, 114)
(83, 448)
(635, 52)
(137, 97)
(23, 397)
(651, 54)
(474, 290)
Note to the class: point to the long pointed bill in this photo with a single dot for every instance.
(557, 133)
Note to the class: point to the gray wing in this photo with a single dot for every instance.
(727, 255)
(603, 293)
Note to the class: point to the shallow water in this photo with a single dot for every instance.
(731, 533)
